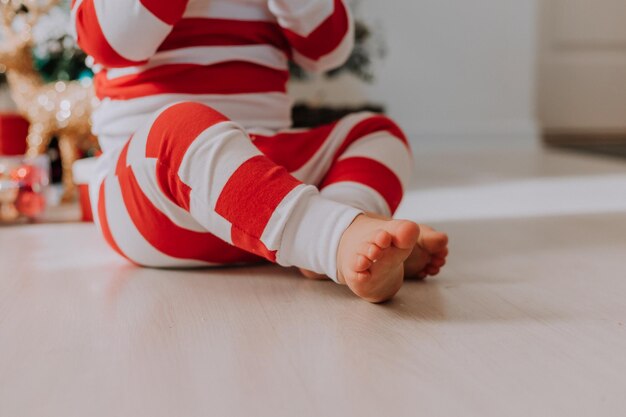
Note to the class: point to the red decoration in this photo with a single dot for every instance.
(22, 187)
(85, 203)
(28, 176)
(13, 132)
(30, 203)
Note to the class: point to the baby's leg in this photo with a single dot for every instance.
(190, 188)
(363, 161)
(139, 219)
(372, 169)
(190, 178)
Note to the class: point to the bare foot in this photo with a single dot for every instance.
(371, 255)
(428, 256)
(426, 259)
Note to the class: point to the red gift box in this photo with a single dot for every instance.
(13, 133)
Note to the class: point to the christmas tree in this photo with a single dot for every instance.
(58, 57)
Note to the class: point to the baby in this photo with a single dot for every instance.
(200, 166)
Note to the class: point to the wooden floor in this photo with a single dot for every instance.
(528, 319)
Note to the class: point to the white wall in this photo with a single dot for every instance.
(582, 69)
(455, 68)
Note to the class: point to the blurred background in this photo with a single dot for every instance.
(498, 71)
(453, 70)
(448, 70)
(464, 76)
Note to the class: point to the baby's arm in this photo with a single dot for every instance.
(119, 33)
(321, 32)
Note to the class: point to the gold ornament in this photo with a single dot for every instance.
(62, 109)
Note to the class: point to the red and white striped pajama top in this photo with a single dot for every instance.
(199, 164)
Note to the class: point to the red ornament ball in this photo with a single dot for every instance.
(30, 203)
(28, 176)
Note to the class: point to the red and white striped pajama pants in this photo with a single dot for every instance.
(192, 188)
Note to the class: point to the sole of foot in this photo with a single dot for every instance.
(371, 256)
(426, 259)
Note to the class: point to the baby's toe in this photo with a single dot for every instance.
(440, 243)
(382, 239)
(438, 262)
(370, 251)
(432, 270)
(433, 242)
(361, 263)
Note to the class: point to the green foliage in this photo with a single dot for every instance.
(59, 58)
(358, 64)
(62, 61)
(56, 55)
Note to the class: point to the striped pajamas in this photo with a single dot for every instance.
(211, 175)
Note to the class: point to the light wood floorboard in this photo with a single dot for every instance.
(528, 319)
